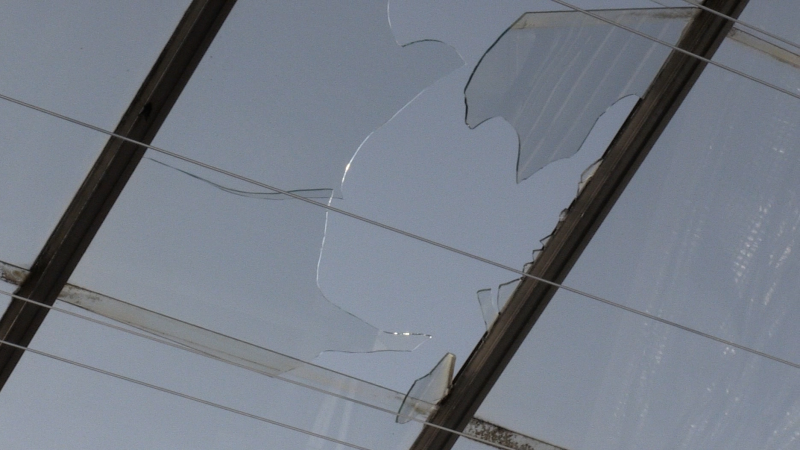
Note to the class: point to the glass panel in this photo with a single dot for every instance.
(82, 59)
(704, 235)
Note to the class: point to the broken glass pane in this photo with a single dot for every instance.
(426, 172)
(551, 75)
(82, 59)
(704, 235)
(266, 102)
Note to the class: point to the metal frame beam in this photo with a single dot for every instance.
(625, 154)
(111, 171)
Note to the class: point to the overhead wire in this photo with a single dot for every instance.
(242, 366)
(184, 396)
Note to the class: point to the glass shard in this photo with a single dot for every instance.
(428, 390)
(504, 292)
(587, 175)
(306, 193)
(551, 75)
(488, 307)
(492, 306)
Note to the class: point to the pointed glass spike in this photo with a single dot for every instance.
(428, 390)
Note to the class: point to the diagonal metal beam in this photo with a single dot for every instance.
(623, 157)
(91, 204)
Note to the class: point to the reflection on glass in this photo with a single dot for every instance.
(551, 75)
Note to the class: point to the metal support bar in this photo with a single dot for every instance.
(626, 152)
(91, 204)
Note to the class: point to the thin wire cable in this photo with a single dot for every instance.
(242, 366)
(403, 232)
(743, 23)
(678, 49)
(184, 396)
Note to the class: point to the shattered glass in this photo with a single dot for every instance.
(192, 244)
(428, 173)
(82, 59)
(551, 75)
(298, 95)
(704, 235)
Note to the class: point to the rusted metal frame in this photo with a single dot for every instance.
(111, 171)
(626, 152)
